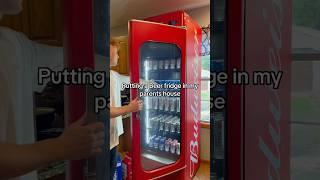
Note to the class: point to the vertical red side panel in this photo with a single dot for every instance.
(267, 110)
(194, 44)
(78, 44)
(193, 105)
(234, 117)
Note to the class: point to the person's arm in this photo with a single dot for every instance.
(77, 142)
(126, 79)
(118, 111)
(134, 106)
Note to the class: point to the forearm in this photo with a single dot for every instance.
(118, 111)
(16, 160)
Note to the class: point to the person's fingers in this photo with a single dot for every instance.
(140, 104)
(97, 136)
(79, 122)
(100, 135)
(96, 151)
(95, 127)
(135, 99)
(98, 143)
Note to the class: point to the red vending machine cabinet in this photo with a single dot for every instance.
(167, 131)
(267, 43)
(258, 37)
(85, 28)
(78, 54)
(193, 66)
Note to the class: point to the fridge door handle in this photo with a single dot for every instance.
(135, 94)
(138, 115)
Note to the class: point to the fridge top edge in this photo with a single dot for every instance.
(179, 27)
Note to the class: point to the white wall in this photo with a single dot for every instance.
(119, 31)
(201, 15)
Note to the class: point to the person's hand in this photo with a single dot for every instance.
(135, 105)
(80, 141)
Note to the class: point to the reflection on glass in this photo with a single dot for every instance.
(218, 117)
(160, 65)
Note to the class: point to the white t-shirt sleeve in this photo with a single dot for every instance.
(115, 97)
(46, 56)
(35, 55)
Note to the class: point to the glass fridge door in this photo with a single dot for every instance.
(218, 117)
(160, 65)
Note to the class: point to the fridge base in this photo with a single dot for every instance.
(161, 160)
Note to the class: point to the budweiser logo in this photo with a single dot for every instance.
(271, 151)
(194, 144)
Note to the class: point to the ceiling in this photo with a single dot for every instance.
(124, 10)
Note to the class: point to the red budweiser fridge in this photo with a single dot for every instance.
(251, 136)
(165, 50)
(86, 30)
(78, 54)
(166, 134)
